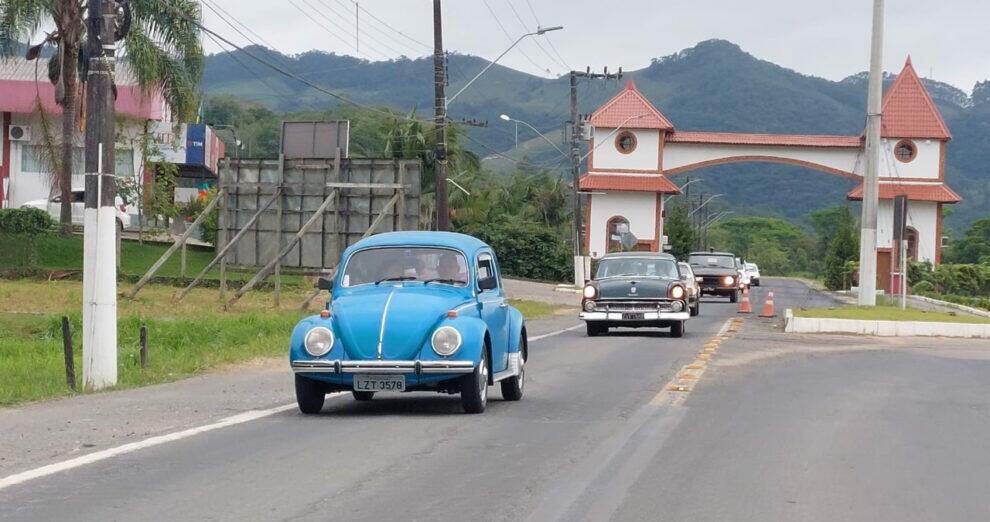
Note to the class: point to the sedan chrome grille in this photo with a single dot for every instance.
(633, 306)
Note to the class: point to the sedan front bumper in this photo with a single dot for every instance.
(381, 367)
(647, 316)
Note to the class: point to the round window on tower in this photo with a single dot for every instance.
(905, 151)
(625, 142)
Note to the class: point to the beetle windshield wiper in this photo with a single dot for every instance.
(445, 280)
(400, 278)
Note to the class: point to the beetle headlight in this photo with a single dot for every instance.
(590, 292)
(318, 341)
(446, 340)
(677, 292)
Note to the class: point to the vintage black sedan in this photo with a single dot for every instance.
(635, 290)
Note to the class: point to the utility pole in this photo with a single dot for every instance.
(871, 183)
(440, 99)
(99, 241)
(357, 28)
(579, 275)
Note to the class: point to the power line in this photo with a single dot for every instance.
(217, 9)
(347, 16)
(535, 41)
(400, 33)
(511, 39)
(546, 36)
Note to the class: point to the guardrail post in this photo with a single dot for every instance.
(144, 346)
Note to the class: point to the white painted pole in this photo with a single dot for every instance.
(99, 287)
(871, 183)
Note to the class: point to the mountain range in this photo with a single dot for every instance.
(713, 86)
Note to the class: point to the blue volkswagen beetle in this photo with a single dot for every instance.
(412, 311)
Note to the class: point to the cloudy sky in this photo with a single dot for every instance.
(947, 40)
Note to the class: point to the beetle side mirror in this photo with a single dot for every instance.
(488, 283)
(324, 284)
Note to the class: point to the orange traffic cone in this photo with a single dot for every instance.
(768, 306)
(744, 307)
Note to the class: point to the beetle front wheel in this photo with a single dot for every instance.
(309, 395)
(474, 387)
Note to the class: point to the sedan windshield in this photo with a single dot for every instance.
(636, 267)
(426, 264)
(712, 261)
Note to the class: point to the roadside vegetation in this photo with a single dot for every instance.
(887, 312)
(964, 276)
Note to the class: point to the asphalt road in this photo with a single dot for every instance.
(778, 427)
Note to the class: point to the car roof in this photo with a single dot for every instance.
(712, 254)
(657, 255)
(462, 242)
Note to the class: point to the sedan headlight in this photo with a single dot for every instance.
(677, 292)
(728, 280)
(318, 341)
(590, 292)
(446, 340)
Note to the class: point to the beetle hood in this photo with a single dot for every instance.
(403, 317)
(634, 288)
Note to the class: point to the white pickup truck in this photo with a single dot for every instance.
(753, 274)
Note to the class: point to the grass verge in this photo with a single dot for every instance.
(184, 339)
(888, 313)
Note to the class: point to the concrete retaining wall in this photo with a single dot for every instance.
(883, 328)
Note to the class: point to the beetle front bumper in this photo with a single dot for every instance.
(382, 367)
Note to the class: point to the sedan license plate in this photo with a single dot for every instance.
(632, 317)
(709, 289)
(376, 383)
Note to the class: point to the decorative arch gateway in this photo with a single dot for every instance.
(635, 149)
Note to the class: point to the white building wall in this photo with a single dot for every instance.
(640, 208)
(27, 184)
(926, 163)
(922, 216)
(646, 156)
(676, 155)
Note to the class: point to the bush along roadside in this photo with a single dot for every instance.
(19, 231)
(965, 284)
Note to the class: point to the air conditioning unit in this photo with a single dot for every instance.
(19, 133)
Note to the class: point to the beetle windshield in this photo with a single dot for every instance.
(636, 267)
(706, 260)
(427, 264)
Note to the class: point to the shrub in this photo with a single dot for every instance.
(30, 221)
(923, 286)
(528, 250)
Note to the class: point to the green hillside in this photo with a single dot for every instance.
(713, 86)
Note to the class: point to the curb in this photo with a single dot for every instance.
(884, 328)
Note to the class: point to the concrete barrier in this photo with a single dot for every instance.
(883, 328)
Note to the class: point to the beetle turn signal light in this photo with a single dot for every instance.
(325, 314)
(452, 314)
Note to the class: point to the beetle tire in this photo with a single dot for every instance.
(474, 387)
(677, 329)
(513, 387)
(362, 396)
(309, 395)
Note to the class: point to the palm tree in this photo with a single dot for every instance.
(160, 43)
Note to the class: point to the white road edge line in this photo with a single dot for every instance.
(240, 418)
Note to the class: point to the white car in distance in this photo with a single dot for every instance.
(53, 206)
(753, 272)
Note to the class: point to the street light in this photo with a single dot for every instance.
(539, 31)
(552, 144)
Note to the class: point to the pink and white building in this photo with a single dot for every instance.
(635, 150)
(27, 107)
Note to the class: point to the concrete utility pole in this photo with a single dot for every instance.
(99, 241)
(579, 275)
(871, 181)
(440, 152)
